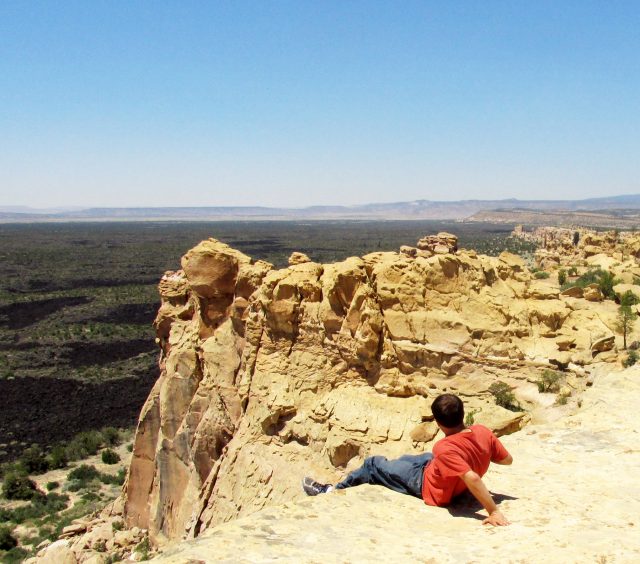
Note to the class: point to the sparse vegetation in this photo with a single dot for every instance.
(632, 358)
(18, 487)
(562, 276)
(143, 548)
(625, 321)
(541, 275)
(504, 397)
(549, 381)
(7, 540)
(110, 456)
(470, 417)
(603, 278)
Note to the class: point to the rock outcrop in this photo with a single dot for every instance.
(572, 495)
(268, 375)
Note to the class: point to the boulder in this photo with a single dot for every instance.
(572, 292)
(593, 293)
(603, 344)
(298, 258)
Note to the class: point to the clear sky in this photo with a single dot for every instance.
(278, 103)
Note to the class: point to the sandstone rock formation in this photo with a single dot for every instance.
(268, 375)
(572, 495)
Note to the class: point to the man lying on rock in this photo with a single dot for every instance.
(458, 463)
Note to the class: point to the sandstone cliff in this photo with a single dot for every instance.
(269, 374)
(572, 495)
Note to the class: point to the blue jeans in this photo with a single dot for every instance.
(403, 475)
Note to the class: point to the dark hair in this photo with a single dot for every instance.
(448, 410)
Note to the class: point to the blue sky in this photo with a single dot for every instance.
(114, 103)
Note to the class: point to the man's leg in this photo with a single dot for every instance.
(403, 475)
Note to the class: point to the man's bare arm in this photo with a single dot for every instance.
(481, 493)
(506, 460)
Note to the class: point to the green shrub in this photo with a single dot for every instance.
(504, 397)
(632, 358)
(562, 276)
(84, 473)
(603, 278)
(7, 540)
(143, 548)
(110, 436)
(84, 445)
(110, 456)
(58, 457)
(549, 381)
(117, 480)
(470, 417)
(40, 505)
(33, 460)
(52, 485)
(541, 274)
(629, 299)
(19, 487)
(117, 525)
(130, 447)
(573, 271)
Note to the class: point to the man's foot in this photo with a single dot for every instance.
(311, 487)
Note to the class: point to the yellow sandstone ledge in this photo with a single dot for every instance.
(572, 495)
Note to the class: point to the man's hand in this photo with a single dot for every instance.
(497, 519)
(481, 493)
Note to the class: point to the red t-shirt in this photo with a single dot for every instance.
(455, 455)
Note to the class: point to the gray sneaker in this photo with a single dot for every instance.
(311, 487)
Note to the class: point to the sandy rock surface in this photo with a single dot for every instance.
(572, 495)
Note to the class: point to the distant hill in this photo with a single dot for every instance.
(614, 206)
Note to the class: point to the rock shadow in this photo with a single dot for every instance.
(22, 314)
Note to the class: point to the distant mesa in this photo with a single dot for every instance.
(603, 212)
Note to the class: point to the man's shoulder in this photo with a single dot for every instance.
(481, 428)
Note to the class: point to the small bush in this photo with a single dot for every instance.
(573, 271)
(130, 447)
(84, 445)
(629, 299)
(33, 460)
(84, 473)
(632, 358)
(562, 276)
(52, 486)
(117, 525)
(110, 456)
(143, 548)
(110, 436)
(19, 487)
(58, 457)
(470, 417)
(7, 540)
(549, 381)
(604, 279)
(504, 397)
(540, 275)
(117, 480)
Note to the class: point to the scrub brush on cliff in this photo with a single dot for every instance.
(311, 487)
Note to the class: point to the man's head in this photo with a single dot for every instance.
(448, 410)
